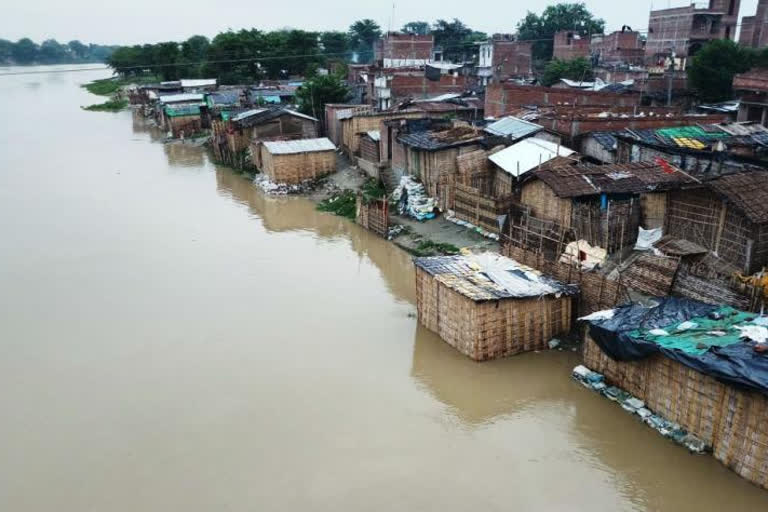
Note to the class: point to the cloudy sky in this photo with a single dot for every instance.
(139, 21)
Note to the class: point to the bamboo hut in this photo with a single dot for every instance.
(296, 161)
(708, 379)
(488, 306)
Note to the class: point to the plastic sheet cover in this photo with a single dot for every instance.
(627, 336)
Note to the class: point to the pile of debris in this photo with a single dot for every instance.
(633, 405)
(412, 200)
(283, 189)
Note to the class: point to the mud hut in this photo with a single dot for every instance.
(487, 306)
(693, 364)
(296, 161)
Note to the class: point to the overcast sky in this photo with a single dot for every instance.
(139, 21)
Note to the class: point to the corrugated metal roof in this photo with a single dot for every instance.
(513, 127)
(527, 154)
(198, 82)
(288, 147)
(181, 98)
(249, 113)
(375, 135)
(442, 97)
(182, 110)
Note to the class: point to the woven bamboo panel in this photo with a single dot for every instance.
(471, 205)
(731, 420)
(597, 291)
(742, 437)
(651, 274)
(493, 329)
(373, 215)
(298, 167)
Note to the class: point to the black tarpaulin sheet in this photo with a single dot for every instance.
(624, 337)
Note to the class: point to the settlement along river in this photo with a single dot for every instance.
(173, 340)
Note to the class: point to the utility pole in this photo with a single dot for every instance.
(671, 72)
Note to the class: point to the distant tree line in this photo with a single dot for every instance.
(50, 51)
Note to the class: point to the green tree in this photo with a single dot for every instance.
(25, 51)
(313, 95)
(51, 52)
(78, 50)
(194, 52)
(566, 16)
(165, 57)
(335, 44)
(6, 50)
(362, 35)
(712, 69)
(574, 69)
(239, 52)
(417, 28)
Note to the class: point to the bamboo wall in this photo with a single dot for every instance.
(653, 209)
(352, 127)
(490, 330)
(545, 204)
(373, 215)
(471, 205)
(597, 292)
(613, 228)
(189, 125)
(297, 167)
(731, 420)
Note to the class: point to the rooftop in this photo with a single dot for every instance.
(582, 179)
(747, 191)
(513, 128)
(261, 115)
(490, 277)
(527, 154)
(436, 140)
(292, 147)
(198, 82)
(182, 98)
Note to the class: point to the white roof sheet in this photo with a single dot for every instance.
(375, 135)
(248, 113)
(442, 97)
(198, 82)
(527, 154)
(512, 127)
(181, 98)
(444, 65)
(288, 147)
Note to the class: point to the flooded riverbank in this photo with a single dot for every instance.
(175, 340)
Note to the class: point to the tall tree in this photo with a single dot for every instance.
(319, 90)
(78, 50)
(165, 57)
(712, 70)
(6, 50)
(565, 16)
(417, 28)
(25, 51)
(335, 44)
(51, 52)
(363, 34)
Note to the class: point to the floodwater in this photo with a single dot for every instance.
(173, 340)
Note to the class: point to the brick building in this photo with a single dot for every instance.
(502, 58)
(620, 47)
(754, 29)
(570, 45)
(403, 50)
(507, 98)
(686, 29)
(752, 90)
(392, 87)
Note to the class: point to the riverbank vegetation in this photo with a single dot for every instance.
(112, 105)
(25, 52)
(343, 204)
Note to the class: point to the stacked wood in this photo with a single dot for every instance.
(729, 419)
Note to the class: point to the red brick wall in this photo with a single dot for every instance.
(505, 98)
(407, 47)
(418, 87)
(512, 59)
(567, 47)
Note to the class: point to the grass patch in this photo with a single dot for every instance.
(108, 106)
(430, 248)
(343, 205)
(109, 86)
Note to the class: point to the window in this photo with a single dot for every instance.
(731, 9)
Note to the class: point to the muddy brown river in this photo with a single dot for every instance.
(172, 340)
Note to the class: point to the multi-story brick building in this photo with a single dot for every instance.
(620, 47)
(754, 29)
(684, 30)
(502, 57)
(570, 45)
(403, 50)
